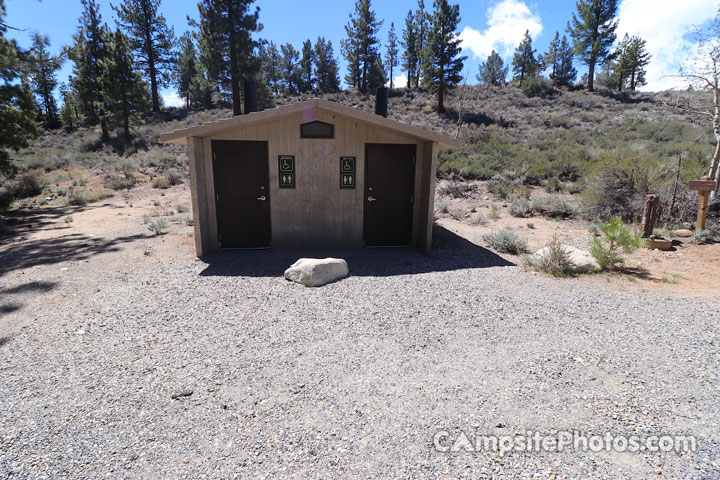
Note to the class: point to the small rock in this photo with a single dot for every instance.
(181, 394)
(315, 272)
(687, 225)
(684, 232)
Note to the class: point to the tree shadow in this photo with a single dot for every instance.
(22, 219)
(4, 340)
(71, 247)
(624, 97)
(450, 252)
(477, 118)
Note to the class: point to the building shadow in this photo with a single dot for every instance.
(71, 247)
(450, 252)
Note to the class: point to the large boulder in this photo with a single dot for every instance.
(315, 272)
(582, 261)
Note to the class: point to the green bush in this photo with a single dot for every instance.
(82, 197)
(520, 207)
(29, 184)
(553, 206)
(506, 241)
(119, 181)
(555, 261)
(537, 87)
(159, 227)
(709, 235)
(174, 177)
(161, 182)
(616, 238)
(7, 193)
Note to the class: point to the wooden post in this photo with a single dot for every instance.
(650, 214)
(677, 180)
(702, 210)
(705, 185)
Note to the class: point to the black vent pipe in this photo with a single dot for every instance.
(381, 101)
(250, 96)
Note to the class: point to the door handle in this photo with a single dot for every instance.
(261, 198)
(371, 198)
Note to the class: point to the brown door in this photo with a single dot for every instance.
(389, 184)
(242, 198)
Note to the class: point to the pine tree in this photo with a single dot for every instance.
(525, 65)
(410, 57)
(69, 112)
(377, 77)
(186, 68)
(565, 73)
(17, 123)
(43, 79)
(360, 46)
(631, 58)
(423, 25)
(89, 54)
(391, 58)
(226, 28)
(306, 67)
(493, 71)
(125, 92)
(443, 67)
(326, 68)
(558, 60)
(289, 68)
(270, 61)
(593, 30)
(151, 40)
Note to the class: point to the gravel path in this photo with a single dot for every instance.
(184, 369)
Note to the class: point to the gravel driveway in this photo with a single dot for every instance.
(190, 369)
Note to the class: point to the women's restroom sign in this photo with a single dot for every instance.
(347, 172)
(286, 171)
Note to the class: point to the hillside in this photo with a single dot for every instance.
(557, 141)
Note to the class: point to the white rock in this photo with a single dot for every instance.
(582, 261)
(315, 272)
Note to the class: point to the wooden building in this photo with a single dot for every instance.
(312, 174)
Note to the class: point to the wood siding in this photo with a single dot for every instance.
(317, 212)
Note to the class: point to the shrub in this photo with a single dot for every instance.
(709, 235)
(182, 208)
(520, 207)
(495, 212)
(555, 260)
(29, 184)
(616, 238)
(87, 196)
(160, 227)
(119, 181)
(174, 177)
(537, 87)
(478, 219)
(456, 189)
(507, 185)
(68, 219)
(442, 207)
(506, 241)
(161, 182)
(188, 221)
(553, 206)
(7, 193)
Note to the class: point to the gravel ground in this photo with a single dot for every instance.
(188, 369)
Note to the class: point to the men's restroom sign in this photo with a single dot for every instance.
(347, 172)
(286, 171)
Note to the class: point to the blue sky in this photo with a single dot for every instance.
(485, 25)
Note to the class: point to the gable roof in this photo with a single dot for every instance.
(210, 128)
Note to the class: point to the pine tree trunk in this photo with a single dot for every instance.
(154, 85)
(104, 129)
(126, 124)
(591, 75)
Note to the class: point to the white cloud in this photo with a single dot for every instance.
(400, 81)
(664, 24)
(507, 22)
(172, 99)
